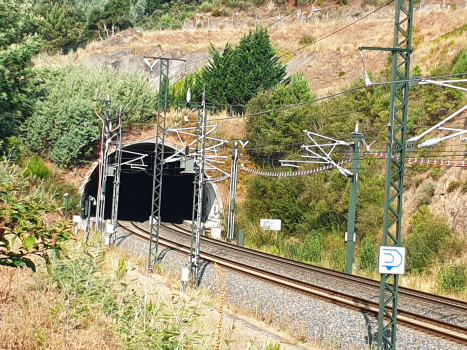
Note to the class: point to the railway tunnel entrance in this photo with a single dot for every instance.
(136, 183)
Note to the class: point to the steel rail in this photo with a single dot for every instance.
(428, 325)
(403, 291)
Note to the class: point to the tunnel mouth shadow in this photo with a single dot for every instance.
(136, 187)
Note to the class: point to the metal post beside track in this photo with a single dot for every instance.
(396, 147)
(161, 120)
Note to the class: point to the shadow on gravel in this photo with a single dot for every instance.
(119, 240)
(202, 270)
(162, 254)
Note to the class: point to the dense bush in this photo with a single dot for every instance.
(62, 26)
(267, 133)
(368, 254)
(37, 167)
(238, 74)
(29, 220)
(18, 45)
(64, 125)
(428, 238)
(424, 193)
(452, 278)
(276, 198)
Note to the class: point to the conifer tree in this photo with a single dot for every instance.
(242, 71)
(17, 80)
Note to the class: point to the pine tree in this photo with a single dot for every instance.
(242, 71)
(61, 26)
(17, 80)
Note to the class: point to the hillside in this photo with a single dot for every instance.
(318, 51)
(329, 64)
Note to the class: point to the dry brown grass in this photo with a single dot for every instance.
(329, 64)
(32, 317)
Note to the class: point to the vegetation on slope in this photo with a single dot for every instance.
(63, 125)
(314, 209)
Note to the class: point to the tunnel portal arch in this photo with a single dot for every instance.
(136, 188)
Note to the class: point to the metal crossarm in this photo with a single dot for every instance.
(155, 219)
(396, 147)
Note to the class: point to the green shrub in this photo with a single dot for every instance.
(337, 258)
(221, 12)
(424, 193)
(453, 186)
(237, 74)
(37, 167)
(313, 248)
(307, 39)
(334, 245)
(64, 125)
(367, 254)
(429, 237)
(452, 278)
(207, 7)
(461, 63)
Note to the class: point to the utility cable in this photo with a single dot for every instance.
(339, 30)
(320, 99)
(249, 36)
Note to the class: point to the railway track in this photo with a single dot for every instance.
(240, 259)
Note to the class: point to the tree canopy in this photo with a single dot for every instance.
(241, 71)
(18, 45)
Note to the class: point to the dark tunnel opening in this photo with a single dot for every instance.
(136, 189)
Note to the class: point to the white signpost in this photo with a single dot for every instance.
(271, 224)
(391, 260)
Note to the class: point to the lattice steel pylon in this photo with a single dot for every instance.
(117, 173)
(197, 216)
(155, 219)
(396, 147)
(233, 192)
(107, 136)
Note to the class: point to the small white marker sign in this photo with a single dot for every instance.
(271, 224)
(391, 260)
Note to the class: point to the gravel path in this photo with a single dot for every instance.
(306, 317)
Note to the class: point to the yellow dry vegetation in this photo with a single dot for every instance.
(32, 317)
(329, 64)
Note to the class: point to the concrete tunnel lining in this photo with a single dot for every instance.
(136, 189)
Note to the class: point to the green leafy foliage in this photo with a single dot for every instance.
(276, 199)
(88, 288)
(268, 132)
(452, 278)
(367, 254)
(64, 125)
(461, 63)
(178, 91)
(27, 229)
(424, 193)
(114, 15)
(37, 167)
(428, 238)
(18, 45)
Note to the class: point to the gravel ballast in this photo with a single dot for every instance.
(307, 317)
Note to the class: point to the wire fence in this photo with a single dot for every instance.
(312, 15)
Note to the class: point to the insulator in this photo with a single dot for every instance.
(429, 143)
